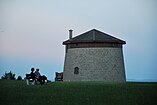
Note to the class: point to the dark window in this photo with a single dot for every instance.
(76, 70)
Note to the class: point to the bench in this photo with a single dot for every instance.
(59, 76)
(30, 79)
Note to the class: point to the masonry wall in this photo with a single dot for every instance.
(95, 64)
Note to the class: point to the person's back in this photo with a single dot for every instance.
(30, 77)
(32, 73)
(37, 74)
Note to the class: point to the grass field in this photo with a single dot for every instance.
(77, 93)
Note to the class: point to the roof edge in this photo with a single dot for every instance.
(77, 39)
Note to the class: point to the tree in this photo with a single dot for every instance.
(10, 76)
(19, 78)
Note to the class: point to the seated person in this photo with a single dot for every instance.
(37, 74)
(42, 79)
(32, 74)
(30, 77)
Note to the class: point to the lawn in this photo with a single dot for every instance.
(77, 93)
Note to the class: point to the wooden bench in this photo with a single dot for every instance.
(30, 79)
(59, 76)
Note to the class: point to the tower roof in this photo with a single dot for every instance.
(94, 36)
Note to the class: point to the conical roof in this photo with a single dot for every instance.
(94, 36)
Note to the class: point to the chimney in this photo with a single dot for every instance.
(70, 34)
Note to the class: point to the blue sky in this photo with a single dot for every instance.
(32, 32)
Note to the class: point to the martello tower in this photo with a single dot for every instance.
(94, 56)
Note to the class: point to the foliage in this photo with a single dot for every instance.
(19, 78)
(77, 93)
(10, 76)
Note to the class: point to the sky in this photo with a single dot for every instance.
(32, 32)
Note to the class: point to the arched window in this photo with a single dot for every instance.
(76, 70)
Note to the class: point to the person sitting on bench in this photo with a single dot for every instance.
(34, 77)
(42, 79)
(30, 77)
(37, 74)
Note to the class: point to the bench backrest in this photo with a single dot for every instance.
(29, 76)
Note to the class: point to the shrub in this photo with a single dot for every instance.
(10, 76)
(19, 78)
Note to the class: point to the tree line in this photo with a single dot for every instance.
(10, 76)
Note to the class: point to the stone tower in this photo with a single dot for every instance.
(94, 56)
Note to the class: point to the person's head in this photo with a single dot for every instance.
(37, 69)
(32, 69)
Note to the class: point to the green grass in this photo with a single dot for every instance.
(77, 93)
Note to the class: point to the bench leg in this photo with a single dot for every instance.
(27, 81)
(33, 82)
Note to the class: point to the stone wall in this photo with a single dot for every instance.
(95, 64)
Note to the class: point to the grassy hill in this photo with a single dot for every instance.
(77, 93)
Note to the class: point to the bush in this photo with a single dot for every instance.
(10, 76)
(19, 78)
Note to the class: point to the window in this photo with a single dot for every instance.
(76, 70)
